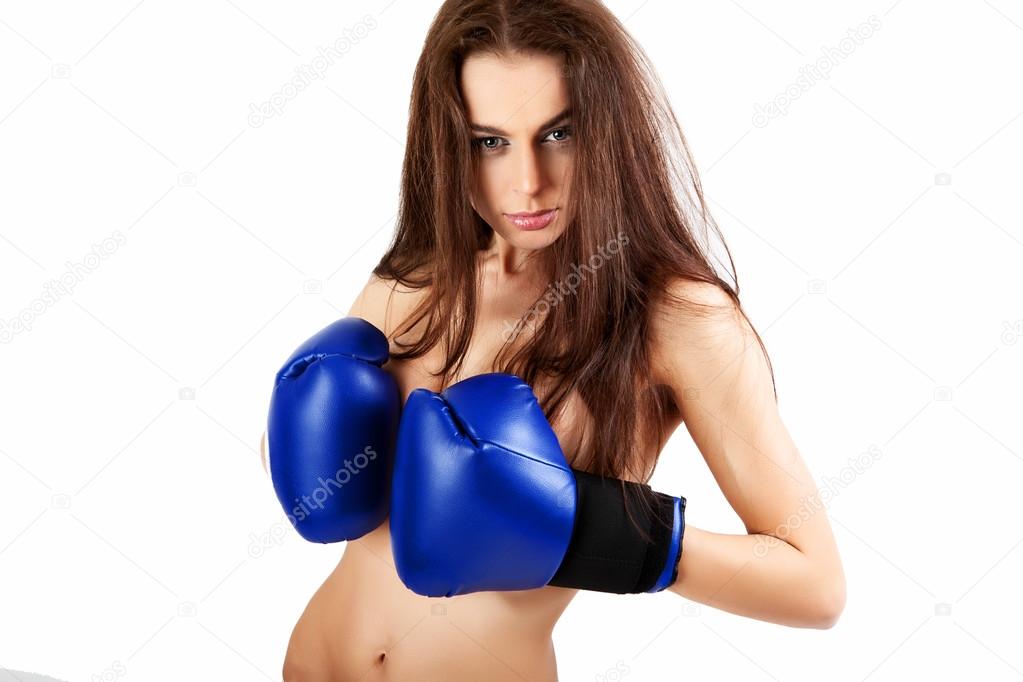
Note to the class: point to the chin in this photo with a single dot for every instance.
(534, 240)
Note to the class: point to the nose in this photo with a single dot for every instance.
(529, 171)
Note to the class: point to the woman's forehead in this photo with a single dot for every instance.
(518, 94)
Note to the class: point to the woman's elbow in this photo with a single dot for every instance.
(829, 605)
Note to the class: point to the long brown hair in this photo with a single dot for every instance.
(634, 186)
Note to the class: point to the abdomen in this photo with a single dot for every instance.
(364, 624)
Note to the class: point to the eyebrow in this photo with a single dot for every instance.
(493, 130)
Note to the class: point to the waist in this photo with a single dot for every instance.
(373, 589)
(377, 629)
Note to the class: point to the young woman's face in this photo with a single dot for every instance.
(518, 108)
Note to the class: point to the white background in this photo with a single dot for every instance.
(878, 238)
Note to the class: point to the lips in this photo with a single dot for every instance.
(532, 220)
(529, 214)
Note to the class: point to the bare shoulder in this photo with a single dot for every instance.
(694, 311)
(385, 303)
(697, 294)
(696, 329)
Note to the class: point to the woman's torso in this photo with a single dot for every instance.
(366, 625)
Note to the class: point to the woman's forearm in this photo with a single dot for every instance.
(759, 576)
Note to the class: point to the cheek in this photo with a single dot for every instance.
(564, 169)
(478, 195)
(485, 192)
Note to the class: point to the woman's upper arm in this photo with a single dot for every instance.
(373, 301)
(722, 383)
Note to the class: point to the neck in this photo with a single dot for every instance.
(505, 262)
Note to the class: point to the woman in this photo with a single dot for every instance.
(552, 227)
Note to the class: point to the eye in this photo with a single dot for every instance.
(566, 131)
(491, 144)
(481, 142)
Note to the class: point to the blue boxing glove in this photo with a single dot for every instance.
(484, 499)
(332, 427)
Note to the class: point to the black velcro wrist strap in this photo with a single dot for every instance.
(608, 553)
